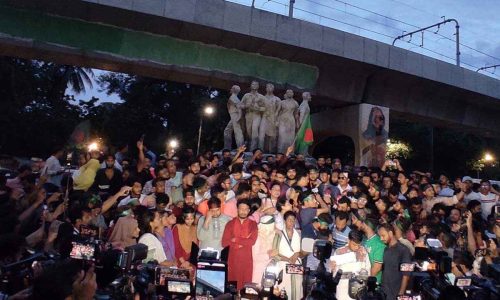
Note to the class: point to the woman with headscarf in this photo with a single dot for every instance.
(125, 232)
(262, 250)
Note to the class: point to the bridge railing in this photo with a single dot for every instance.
(375, 25)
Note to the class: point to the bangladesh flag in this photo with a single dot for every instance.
(304, 137)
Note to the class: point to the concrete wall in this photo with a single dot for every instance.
(241, 19)
(349, 69)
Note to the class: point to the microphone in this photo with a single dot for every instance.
(337, 277)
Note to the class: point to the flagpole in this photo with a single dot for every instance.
(295, 138)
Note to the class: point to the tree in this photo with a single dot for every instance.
(159, 109)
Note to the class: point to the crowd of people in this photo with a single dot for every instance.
(260, 206)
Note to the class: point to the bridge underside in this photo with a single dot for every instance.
(114, 39)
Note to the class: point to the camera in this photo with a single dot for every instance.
(431, 276)
(324, 284)
(211, 274)
(176, 281)
(83, 251)
(15, 276)
(294, 269)
(270, 279)
(132, 255)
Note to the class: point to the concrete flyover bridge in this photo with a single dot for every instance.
(218, 43)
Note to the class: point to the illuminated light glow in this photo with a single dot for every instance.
(93, 147)
(488, 157)
(173, 144)
(209, 110)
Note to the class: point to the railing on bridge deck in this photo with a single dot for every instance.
(371, 24)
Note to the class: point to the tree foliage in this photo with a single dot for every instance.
(37, 114)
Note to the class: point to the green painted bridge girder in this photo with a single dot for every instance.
(135, 45)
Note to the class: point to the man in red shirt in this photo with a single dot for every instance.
(240, 235)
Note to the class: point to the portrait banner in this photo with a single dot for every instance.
(373, 134)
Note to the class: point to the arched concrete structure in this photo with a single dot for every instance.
(217, 43)
(330, 144)
(350, 121)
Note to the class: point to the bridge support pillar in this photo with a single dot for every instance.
(367, 125)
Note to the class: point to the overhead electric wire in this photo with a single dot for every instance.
(417, 9)
(335, 20)
(380, 33)
(389, 26)
(408, 24)
(355, 15)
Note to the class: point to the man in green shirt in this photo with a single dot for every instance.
(373, 245)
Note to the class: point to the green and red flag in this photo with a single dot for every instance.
(304, 136)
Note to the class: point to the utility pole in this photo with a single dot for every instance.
(290, 9)
(457, 36)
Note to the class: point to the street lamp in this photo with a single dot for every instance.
(207, 111)
(93, 147)
(488, 157)
(173, 144)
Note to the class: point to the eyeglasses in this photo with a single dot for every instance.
(342, 177)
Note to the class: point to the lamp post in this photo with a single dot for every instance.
(481, 164)
(207, 111)
(173, 144)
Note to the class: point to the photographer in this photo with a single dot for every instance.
(65, 280)
(394, 282)
(317, 229)
(70, 230)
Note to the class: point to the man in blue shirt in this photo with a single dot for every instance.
(340, 232)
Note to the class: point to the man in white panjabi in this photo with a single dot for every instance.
(352, 259)
(234, 108)
(254, 105)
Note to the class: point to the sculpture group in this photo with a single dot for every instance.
(264, 121)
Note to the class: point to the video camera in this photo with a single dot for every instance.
(431, 275)
(173, 281)
(14, 276)
(211, 274)
(271, 277)
(325, 285)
